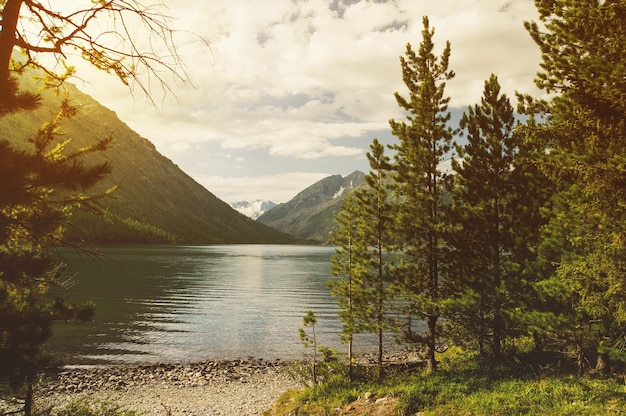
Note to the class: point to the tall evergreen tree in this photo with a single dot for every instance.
(377, 212)
(584, 67)
(363, 237)
(39, 191)
(425, 138)
(496, 220)
(348, 240)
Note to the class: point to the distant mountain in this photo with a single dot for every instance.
(311, 214)
(156, 202)
(253, 209)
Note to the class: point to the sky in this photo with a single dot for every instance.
(286, 92)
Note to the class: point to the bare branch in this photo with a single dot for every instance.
(130, 39)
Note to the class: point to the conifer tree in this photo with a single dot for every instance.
(496, 220)
(425, 138)
(378, 222)
(364, 238)
(40, 188)
(584, 68)
(348, 240)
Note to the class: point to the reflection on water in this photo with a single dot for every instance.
(180, 303)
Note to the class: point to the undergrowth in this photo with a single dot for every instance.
(466, 386)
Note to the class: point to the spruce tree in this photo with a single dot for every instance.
(363, 239)
(496, 221)
(376, 209)
(424, 140)
(348, 240)
(40, 189)
(584, 68)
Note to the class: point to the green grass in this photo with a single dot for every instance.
(469, 387)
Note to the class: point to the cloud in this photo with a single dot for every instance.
(277, 188)
(296, 79)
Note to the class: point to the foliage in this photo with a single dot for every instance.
(425, 138)
(40, 189)
(347, 237)
(378, 225)
(364, 242)
(584, 246)
(494, 222)
(310, 340)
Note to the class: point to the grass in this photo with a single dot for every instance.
(469, 387)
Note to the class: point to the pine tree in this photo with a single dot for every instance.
(347, 237)
(584, 67)
(496, 221)
(40, 188)
(378, 224)
(363, 238)
(425, 138)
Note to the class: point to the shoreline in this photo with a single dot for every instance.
(214, 387)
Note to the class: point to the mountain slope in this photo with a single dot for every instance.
(311, 213)
(156, 202)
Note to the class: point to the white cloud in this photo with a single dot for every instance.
(277, 188)
(298, 78)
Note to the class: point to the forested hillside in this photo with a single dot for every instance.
(155, 202)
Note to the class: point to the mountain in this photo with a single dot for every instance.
(311, 214)
(253, 209)
(156, 202)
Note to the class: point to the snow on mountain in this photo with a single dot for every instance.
(340, 191)
(253, 209)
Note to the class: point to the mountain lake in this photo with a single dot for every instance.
(179, 304)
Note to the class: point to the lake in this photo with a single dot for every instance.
(194, 303)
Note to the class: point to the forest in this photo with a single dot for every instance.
(514, 259)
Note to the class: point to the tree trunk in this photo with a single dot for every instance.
(603, 364)
(350, 358)
(580, 359)
(380, 346)
(28, 401)
(10, 16)
(431, 362)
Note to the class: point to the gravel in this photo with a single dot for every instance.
(245, 387)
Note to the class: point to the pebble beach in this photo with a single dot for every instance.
(239, 387)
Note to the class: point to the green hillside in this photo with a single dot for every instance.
(156, 202)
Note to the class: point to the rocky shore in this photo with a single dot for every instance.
(240, 387)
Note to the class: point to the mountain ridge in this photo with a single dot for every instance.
(156, 202)
(311, 213)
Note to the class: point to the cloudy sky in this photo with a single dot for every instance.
(287, 92)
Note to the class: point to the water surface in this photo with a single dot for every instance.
(191, 303)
